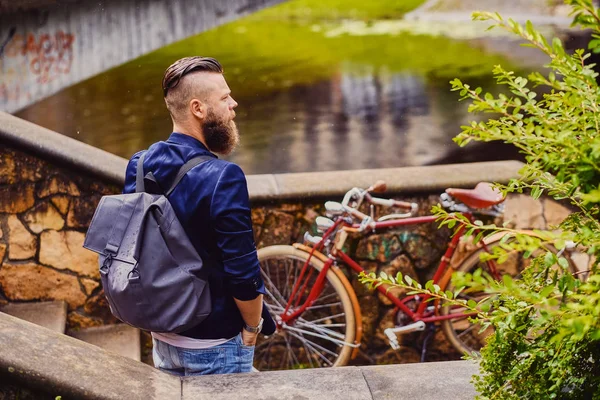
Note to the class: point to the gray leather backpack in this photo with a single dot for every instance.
(151, 273)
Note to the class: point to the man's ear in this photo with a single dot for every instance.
(198, 109)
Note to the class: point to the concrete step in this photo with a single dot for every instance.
(49, 314)
(120, 339)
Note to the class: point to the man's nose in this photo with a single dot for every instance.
(234, 104)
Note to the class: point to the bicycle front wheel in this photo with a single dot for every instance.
(463, 334)
(322, 336)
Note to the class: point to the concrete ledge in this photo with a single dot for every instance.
(37, 358)
(399, 180)
(61, 149)
(110, 168)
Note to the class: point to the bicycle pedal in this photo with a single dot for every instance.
(394, 344)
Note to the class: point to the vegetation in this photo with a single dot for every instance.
(546, 343)
(269, 56)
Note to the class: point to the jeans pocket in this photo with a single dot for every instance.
(204, 361)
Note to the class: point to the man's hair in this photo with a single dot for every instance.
(176, 96)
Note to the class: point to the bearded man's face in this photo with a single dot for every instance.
(221, 134)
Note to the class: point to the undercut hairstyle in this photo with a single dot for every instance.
(176, 95)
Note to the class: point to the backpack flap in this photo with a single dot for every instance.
(109, 226)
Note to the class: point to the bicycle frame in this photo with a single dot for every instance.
(421, 314)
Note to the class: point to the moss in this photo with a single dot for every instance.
(262, 56)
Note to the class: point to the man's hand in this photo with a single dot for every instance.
(249, 338)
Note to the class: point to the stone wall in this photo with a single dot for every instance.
(44, 213)
(45, 210)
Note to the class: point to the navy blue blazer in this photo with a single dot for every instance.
(212, 204)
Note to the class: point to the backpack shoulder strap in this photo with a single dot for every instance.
(139, 174)
(185, 169)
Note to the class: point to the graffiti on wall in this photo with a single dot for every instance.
(41, 56)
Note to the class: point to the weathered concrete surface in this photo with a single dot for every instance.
(49, 314)
(344, 383)
(430, 381)
(119, 339)
(44, 51)
(34, 357)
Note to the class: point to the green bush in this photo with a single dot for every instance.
(546, 343)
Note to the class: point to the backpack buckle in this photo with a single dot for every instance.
(106, 264)
(134, 274)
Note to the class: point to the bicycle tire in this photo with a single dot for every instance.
(463, 334)
(325, 332)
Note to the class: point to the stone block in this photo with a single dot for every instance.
(81, 211)
(277, 229)
(399, 264)
(2, 252)
(523, 212)
(34, 282)
(19, 167)
(22, 245)
(64, 250)
(118, 339)
(61, 202)
(380, 248)
(423, 381)
(44, 216)
(421, 250)
(49, 314)
(554, 213)
(369, 306)
(344, 383)
(97, 306)
(387, 321)
(16, 198)
(58, 184)
(89, 285)
(76, 321)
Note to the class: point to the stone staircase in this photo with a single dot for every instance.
(119, 339)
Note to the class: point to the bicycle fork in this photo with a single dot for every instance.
(402, 330)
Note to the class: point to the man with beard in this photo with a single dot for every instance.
(212, 203)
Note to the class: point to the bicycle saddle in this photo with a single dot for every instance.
(483, 196)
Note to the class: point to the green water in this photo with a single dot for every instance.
(314, 93)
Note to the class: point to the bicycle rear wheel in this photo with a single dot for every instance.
(322, 336)
(462, 333)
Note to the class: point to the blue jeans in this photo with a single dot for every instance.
(228, 358)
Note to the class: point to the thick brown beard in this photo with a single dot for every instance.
(220, 136)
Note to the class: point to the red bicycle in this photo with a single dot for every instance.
(316, 309)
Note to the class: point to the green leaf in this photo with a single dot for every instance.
(408, 280)
(546, 291)
(549, 259)
(563, 263)
(471, 303)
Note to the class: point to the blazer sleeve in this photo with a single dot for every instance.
(231, 216)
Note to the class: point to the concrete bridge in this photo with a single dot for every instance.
(48, 45)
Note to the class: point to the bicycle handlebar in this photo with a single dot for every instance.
(361, 194)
